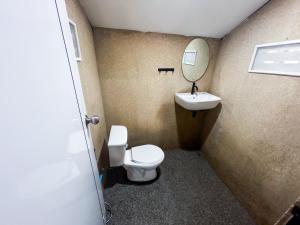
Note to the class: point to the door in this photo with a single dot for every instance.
(47, 170)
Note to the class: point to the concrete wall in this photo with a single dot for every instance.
(253, 140)
(137, 96)
(89, 73)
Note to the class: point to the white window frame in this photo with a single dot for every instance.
(184, 60)
(78, 58)
(257, 47)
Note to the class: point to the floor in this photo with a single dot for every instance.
(187, 192)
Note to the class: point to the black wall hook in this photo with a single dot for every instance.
(166, 70)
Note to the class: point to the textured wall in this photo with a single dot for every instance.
(88, 72)
(137, 96)
(253, 140)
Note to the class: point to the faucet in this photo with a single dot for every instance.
(194, 87)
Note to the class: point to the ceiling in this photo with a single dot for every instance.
(208, 18)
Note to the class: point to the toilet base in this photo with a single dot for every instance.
(140, 174)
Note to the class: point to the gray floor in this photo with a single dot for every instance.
(186, 193)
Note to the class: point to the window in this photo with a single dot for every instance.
(75, 39)
(189, 57)
(281, 58)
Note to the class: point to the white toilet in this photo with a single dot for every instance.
(140, 162)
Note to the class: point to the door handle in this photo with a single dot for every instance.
(93, 120)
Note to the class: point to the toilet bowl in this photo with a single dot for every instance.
(140, 162)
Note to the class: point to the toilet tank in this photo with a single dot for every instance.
(117, 144)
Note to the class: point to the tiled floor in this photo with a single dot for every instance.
(186, 193)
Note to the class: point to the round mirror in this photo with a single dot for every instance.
(195, 59)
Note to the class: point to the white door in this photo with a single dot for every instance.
(47, 171)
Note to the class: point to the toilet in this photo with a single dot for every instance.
(140, 162)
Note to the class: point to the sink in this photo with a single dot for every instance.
(197, 101)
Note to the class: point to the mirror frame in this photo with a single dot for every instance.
(183, 55)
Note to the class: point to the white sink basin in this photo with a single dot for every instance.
(197, 101)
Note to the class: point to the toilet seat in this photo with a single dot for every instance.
(144, 156)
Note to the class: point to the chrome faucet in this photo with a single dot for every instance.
(194, 87)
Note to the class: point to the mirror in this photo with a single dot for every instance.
(195, 59)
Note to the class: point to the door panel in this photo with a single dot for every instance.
(46, 175)
(64, 22)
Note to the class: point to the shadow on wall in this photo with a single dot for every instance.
(193, 131)
(189, 128)
(209, 121)
(103, 163)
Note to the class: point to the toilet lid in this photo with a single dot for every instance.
(147, 154)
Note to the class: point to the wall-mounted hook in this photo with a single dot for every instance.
(166, 70)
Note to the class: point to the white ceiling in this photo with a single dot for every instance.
(209, 18)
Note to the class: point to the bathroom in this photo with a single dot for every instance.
(117, 142)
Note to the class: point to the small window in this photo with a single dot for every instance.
(75, 39)
(189, 57)
(281, 58)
